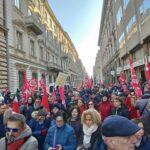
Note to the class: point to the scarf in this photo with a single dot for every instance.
(88, 133)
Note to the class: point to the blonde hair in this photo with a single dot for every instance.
(94, 115)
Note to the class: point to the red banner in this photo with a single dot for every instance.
(135, 84)
(147, 69)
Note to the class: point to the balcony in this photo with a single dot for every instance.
(31, 23)
(54, 66)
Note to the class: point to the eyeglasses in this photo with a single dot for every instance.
(12, 129)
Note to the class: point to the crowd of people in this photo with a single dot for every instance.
(102, 118)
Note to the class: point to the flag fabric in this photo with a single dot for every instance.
(45, 100)
(136, 86)
(44, 97)
(91, 83)
(16, 105)
(147, 68)
(33, 85)
(54, 96)
(122, 77)
(26, 90)
(61, 92)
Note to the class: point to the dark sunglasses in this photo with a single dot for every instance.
(12, 129)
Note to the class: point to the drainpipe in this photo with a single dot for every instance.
(7, 48)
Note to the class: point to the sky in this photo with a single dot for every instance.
(81, 20)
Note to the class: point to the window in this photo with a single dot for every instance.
(38, 4)
(119, 15)
(130, 24)
(18, 3)
(34, 75)
(48, 56)
(121, 38)
(144, 7)
(29, 12)
(21, 78)
(43, 77)
(41, 52)
(45, 16)
(19, 40)
(32, 48)
(125, 4)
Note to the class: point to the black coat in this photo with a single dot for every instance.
(96, 139)
(123, 111)
(77, 126)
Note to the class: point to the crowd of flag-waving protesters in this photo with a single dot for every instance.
(100, 118)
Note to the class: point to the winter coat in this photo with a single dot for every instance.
(82, 109)
(145, 144)
(141, 104)
(105, 109)
(2, 127)
(123, 111)
(77, 126)
(131, 107)
(30, 144)
(39, 131)
(27, 111)
(95, 140)
(64, 136)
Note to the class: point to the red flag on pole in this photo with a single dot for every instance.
(135, 84)
(147, 68)
(61, 92)
(16, 105)
(122, 77)
(26, 89)
(91, 83)
(45, 100)
(54, 96)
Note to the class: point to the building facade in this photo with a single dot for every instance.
(124, 32)
(37, 44)
(3, 48)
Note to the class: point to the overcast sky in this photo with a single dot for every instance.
(81, 20)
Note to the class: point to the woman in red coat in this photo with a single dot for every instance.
(105, 107)
(130, 103)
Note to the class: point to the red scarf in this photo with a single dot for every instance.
(16, 144)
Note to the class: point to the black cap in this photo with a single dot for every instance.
(118, 126)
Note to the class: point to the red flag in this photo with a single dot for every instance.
(26, 89)
(33, 84)
(61, 92)
(147, 69)
(16, 105)
(45, 100)
(135, 84)
(54, 96)
(122, 77)
(42, 84)
(91, 83)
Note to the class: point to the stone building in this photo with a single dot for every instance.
(124, 31)
(37, 43)
(3, 48)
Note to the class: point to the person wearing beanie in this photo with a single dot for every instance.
(39, 125)
(119, 133)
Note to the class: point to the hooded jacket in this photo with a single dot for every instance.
(30, 144)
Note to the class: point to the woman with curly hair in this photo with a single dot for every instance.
(91, 129)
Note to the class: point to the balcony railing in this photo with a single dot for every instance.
(32, 24)
(54, 66)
